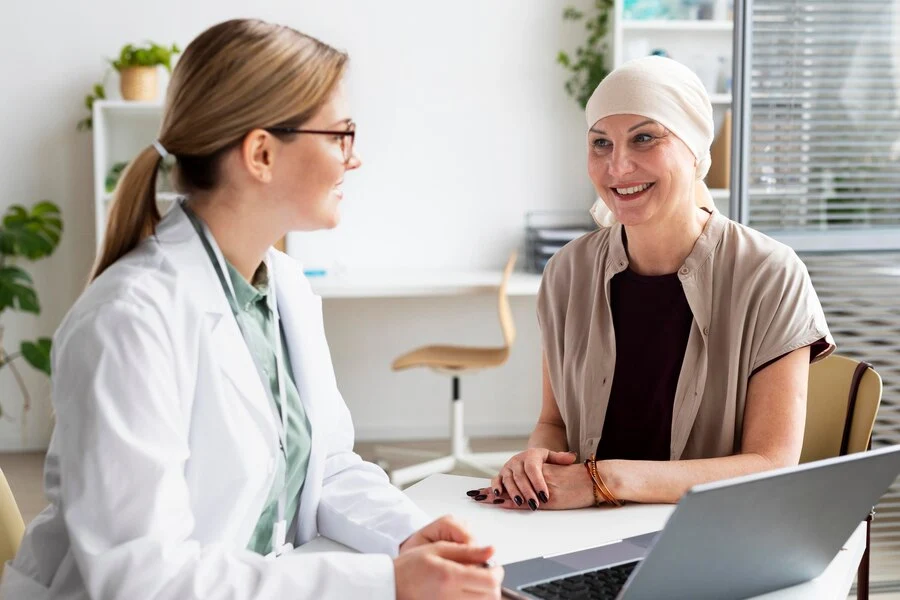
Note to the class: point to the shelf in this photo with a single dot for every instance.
(720, 98)
(677, 25)
(720, 193)
(128, 106)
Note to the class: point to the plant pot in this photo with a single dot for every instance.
(139, 83)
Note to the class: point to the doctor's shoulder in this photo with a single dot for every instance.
(140, 285)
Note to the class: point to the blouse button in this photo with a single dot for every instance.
(684, 270)
(706, 331)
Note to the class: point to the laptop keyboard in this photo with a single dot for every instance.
(603, 584)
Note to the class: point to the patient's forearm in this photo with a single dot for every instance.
(549, 435)
(667, 481)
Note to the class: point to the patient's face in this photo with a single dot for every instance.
(643, 172)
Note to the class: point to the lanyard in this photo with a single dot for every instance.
(279, 532)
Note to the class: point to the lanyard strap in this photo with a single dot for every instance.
(278, 404)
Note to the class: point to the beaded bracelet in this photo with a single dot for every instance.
(600, 488)
(598, 497)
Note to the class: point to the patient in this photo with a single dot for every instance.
(676, 343)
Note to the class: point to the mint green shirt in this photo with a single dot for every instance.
(258, 325)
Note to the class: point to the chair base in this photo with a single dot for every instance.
(488, 463)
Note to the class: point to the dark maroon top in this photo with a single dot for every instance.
(652, 320)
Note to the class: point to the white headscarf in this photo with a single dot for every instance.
(668, 92)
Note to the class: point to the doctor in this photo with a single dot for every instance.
(200, 432)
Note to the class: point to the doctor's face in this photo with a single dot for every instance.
(310, 170)
(642, 171)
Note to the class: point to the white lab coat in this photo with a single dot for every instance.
(164, 449)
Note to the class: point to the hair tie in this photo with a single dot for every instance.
(161, 149)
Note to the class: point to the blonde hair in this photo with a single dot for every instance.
(234, 77)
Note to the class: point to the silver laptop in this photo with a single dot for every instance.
(728, 539)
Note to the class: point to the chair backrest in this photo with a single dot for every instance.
(827, 408)
(506, 320)
(12, 528)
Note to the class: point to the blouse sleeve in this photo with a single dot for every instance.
(789, 315)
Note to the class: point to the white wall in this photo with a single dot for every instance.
(463, 127)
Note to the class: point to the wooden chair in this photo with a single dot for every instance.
(12, 528)
(455, 361)
(843, 399)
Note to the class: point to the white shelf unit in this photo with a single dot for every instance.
(121, 130)
(681, 26)
(704, 45)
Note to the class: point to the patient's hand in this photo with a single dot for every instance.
(523, 479)
(444, 529)
(569, 486)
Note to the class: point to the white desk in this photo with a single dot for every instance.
(518, 535)
(389, 283)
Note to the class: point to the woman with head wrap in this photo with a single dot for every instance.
(676, 343)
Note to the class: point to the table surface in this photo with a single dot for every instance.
(519, 535)
(391, 283)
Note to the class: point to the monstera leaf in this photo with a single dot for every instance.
(38, 354)
(16, 290)
(32, 234)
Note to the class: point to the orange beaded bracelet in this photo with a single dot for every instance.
(601, 491)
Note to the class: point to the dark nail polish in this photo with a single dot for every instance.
(481, 497)
(532, 504)
(499, 500)
(473, 493)
(543, 497)
(518, 500)
(496, 492)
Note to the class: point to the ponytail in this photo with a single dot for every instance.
(133, 214)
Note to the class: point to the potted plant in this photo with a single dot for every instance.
(588, 66)
(137, 67)
(30, 235)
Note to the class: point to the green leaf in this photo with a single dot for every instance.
(38, 354)
(147, 56)
(32, 235)
(98, 92)
(17, 291)
(587, 64)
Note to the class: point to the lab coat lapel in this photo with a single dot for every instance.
(181, 242)
(300, 312)
(301, 317)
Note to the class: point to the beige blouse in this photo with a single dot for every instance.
(752, 301)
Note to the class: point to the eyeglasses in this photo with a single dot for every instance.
(348, 136)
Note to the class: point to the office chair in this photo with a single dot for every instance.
(843, 399)
(454, 361)
(12, 528)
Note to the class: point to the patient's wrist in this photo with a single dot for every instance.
(611, 473)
